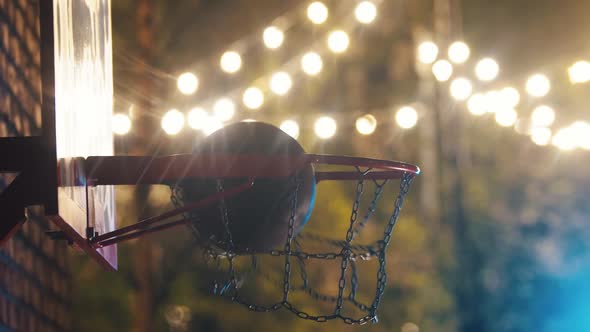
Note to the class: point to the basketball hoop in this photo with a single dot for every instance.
(252, 168)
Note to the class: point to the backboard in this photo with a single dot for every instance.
(83, 114)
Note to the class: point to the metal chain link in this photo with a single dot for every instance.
(349, 254)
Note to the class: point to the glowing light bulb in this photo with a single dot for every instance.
(487, 69)
(538, 85)
(406, 117)
(253, 98)
(224, 109)
(187, 83)
(366, 124)
(506, 117)
(312, 63)
(280, 83)
(197, 117)
(541, 135)
(442, 70)
(579, 72)
(459, 52)
(427, 52)
(543, 116)
(273, 37)
(461, 88)
(317, 12)
(476, 104)
(365, 12)
(291, 128)
(172, 122)
(338, 41)
(121, 124)
(230, 62)
(564, 139)
(581, 134)
(325, 127)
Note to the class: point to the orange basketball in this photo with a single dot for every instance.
(259, 217)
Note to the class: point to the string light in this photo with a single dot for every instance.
(406, 117)
(211, 125)
(538, 85)
(541, 135)
(476, 104)
(317, 12)
(230, 62)
(253, 98)
(197, 117)
(581, 134)
(172, 122)
(280, 83)
(461, 88)
(427, 52)
(273, 37)
(564, 139)
(579, 72)
(543, 116)
(325, 127)
(121, 124)
(338, 41)
(459, 52)
(311, 63)
(187, 83)
(366, 124)
(224, 109)
(442, 70)
(365, 12)
(291, 128)
(506, 117)
(487, 69)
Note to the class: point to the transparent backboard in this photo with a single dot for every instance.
(83, 115)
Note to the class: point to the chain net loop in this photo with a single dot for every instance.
(296, 259)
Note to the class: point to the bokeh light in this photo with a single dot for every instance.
(317, 12)
(211, 125)
(273, 37)
(338, 41)
(487, 69)
(459, 52)
(564, 139)
(280, 83)
(461, 88)
(290, 127)
(187, 83)
(230, 62)
(253, 98)
(542, 116)
(197, 117)
(581, 134)
(442, 70)
(506, 117)
(366, 124)
(538, 85)
(365, 12)
(509, 97)
(427, 52)
(476, 104)
(224, 109)
(541, 135)
(311, 63)
(172, 122)
(406, 117)
(579, 72)
(121, 124)
(325, 127)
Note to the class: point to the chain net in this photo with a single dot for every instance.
(292, 274)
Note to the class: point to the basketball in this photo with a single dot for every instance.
(258, 217)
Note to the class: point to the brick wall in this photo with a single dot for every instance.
(34, 280)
